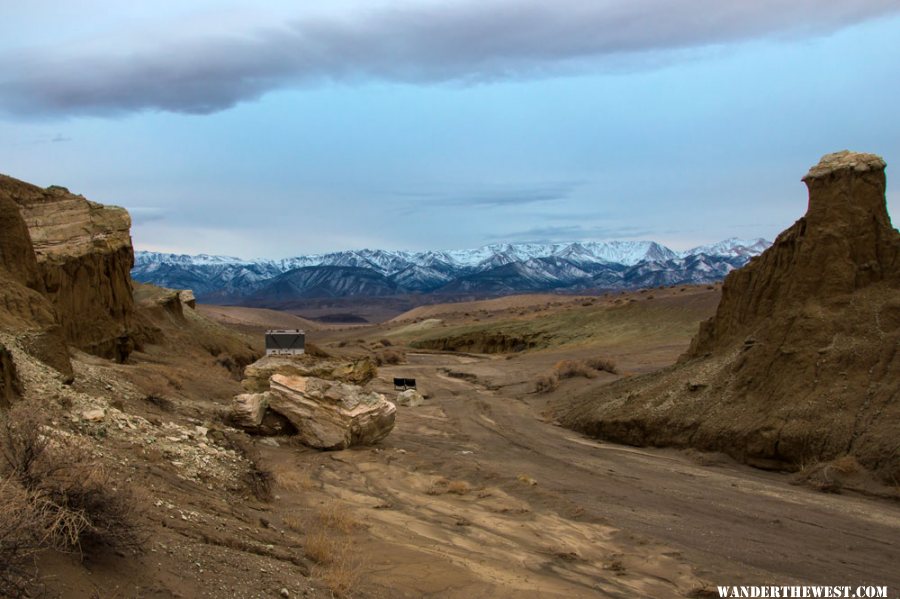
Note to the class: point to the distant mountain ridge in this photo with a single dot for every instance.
(491, 269)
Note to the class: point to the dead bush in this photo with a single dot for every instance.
(390, 356)
(23, 528)
(567, 369)
(386, 342)
(74, 497)
(602, 364)
(546, 383)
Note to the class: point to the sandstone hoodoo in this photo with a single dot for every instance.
(800, 362)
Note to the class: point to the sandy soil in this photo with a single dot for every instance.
(474, 495)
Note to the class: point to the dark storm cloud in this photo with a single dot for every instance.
(464, 42)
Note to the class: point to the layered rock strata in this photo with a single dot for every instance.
(83, 257)
(330, 414)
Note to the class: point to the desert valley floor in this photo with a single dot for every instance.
(477, 493)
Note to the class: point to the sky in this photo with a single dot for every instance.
(289, 127)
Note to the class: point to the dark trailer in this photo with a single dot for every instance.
(288, 342)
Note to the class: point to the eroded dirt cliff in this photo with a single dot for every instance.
(800, 363)
(78, 254)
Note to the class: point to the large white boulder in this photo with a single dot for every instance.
(331, 414)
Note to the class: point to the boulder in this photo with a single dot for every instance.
(330, 414)
(410, 397)
(248, 409)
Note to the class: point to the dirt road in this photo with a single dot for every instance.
(475, 495)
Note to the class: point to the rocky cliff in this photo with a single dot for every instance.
(79, 256)
(25, 311)
(800, 362)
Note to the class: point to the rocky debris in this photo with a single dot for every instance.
(800, 361)
(410, 397)
(84, 256)
(330, 414)
(94, 414)
(49, 347)
(188, 449)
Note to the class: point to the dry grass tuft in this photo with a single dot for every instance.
(293, 481)
(338, 518)
(459, 487)
(328, 546)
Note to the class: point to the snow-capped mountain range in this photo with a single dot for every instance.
(491, 269)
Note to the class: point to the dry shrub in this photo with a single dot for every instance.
(23, 529)
(546, 383)
(72, 499)
(602, 364)
(386, 342)
(390, 356)
(567, 369)
(442, 486)
(458, 487)
(846, 465)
